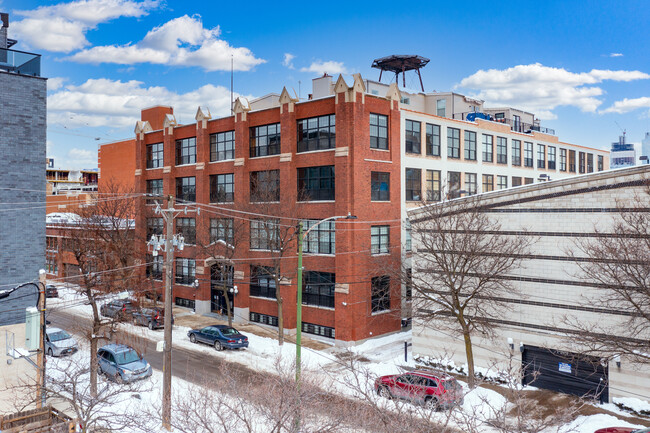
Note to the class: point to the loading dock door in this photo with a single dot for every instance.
(563, 372)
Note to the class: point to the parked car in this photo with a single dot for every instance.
(59, 343)
(622, 430)
(220, 336)
(118, 309)
(51, 291)
(432, 389)
(122, 363)
(151, 317)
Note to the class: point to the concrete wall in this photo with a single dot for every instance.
(14, 372)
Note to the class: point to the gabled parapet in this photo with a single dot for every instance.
(141, 128)
(240, 108)
(285, 98)
(202, 116)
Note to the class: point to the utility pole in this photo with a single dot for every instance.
(40, 359)
(171, 241)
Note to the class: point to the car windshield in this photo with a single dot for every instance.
(58, 336)
(229, 331)
(126, 357)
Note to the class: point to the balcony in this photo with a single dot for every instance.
(20, 62)
(515, 125)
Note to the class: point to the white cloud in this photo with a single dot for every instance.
(288, 60)
(541, 89)
(182, 41)
(62, 27)
(81, 158)
(105, 102)
(616, 55)
(330, 67)
(55, 83)
(627, 105)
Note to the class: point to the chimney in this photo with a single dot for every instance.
(4, 18)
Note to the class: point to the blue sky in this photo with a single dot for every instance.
(580, 66)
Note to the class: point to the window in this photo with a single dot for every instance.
(380, 293)
(222, 146)
(324, 331)
(187, 228)
(562, 159)
(379, 239)
(316, 183)
(407, 236)
(408, 286)
(184, 302)
(433, 140)
(541, 156)
(487, 147)
(265, 234)
(488, 183)
(528, 154)
(265, 185)
(551, 158)
(470, 145)
(51, 265)
(516, 123)
(222, 229)
(413, 184)
(317, 133)
(516, 181)
(379, 186)
(470, 183)
(155, 267)
(264, 319)
(590, 163)
(516, 152)
(441, 107)
(322, 239)
(528, 180)
(581, 160)
(572, 161)
(222, 188)
(502, 150)
(262, 282)
(154, 227)
(185, 271)
(265, 140)
(51, 243)
(186, 151)
(433, 185)
(155, 188)
(502, 182)
(186, 189)
(378, 131)
(318, 289)
(453, 143)
(601, 162)
(155, 155)
(453, 184)
(413, 136)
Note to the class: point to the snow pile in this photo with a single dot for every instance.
(635, 405)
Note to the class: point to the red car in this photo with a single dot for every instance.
(622, 430)
(435, 390)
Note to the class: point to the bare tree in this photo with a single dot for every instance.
(616, 261)
(460, 261)
(102, 242)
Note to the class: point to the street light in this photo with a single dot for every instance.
(301, 238)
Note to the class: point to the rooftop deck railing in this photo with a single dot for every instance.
(20, 62)
(515, 125)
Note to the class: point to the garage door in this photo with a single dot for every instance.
(563, 372)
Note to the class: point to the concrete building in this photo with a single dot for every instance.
(22, 233)
(550, 289)
(623, 154)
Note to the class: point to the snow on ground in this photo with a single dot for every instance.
(383, 355)
(633, 403)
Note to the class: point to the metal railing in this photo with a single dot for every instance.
(20, 62)
(515, 125)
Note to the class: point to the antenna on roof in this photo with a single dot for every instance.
(401, 63)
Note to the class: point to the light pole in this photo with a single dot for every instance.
(301, 238)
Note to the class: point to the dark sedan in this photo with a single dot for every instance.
(153, 318)
(219, 336)
(51, 291)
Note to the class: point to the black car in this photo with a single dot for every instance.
(151, 317)
(219, 336)
(51, 291)
(118, 309)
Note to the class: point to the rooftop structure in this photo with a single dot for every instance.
(401, 63)
(18, 62)
(622, 154)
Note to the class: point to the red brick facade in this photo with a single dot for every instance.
(353, 162)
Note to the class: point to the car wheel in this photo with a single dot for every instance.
(151, 325)
(193, 338)
(49, 352)
(118, 378)
(218, 346)
(383, 391)
(432, 403)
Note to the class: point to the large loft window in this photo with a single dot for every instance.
(379, 186)
(516, 152)
(316, 183)
(471, 183)
(186, 189)
(379, 239)
(470, 145)
(380, 294)
(453, 184)
(155, 155)
(528, 154)
(187, 228)
(321, 239)
(453, 143)
(155, 191)
(413, 184)
(541, 156)
(488, 143)
(502, 150)
(318, 289)
(562, 159)
(222, 229)
(264, 234)
(551, 158)
(378, 131)
(265, 140)
(265, 186)
(433, 140)
(413, 136)
(222, 146)
(262, 282)
(186, 151)
(316, 133)
(488, 183)
(185, 271)
(433, 185)
(222, 188)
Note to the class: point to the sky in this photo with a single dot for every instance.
(582, 67)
